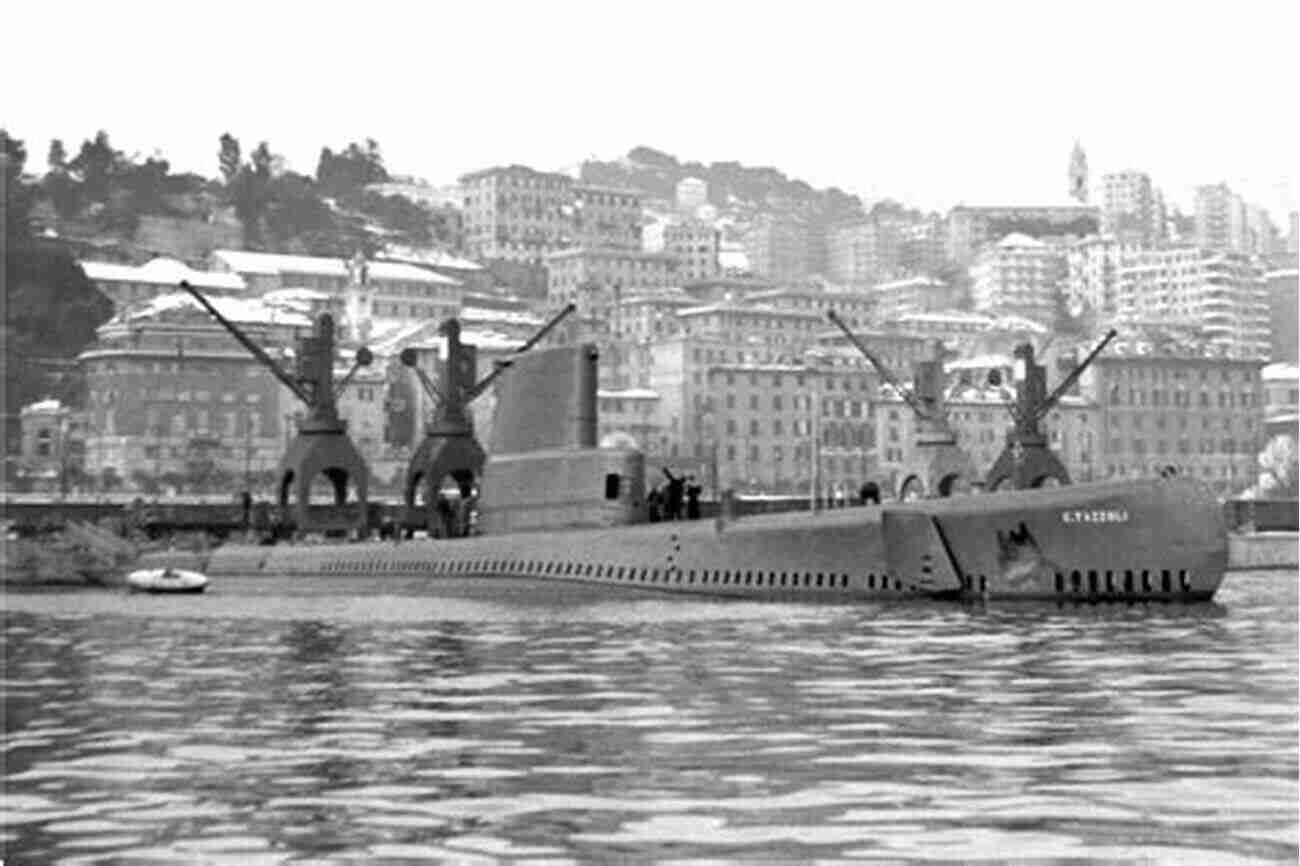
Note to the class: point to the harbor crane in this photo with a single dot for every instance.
(322, 445)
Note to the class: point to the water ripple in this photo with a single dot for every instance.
(279, 725)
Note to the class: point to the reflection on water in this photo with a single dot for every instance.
(268, 727)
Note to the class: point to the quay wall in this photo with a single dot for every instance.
(1264, 550)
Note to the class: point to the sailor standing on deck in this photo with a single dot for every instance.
(673, 499)
(693, 491)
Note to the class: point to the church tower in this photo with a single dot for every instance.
(1078, 174)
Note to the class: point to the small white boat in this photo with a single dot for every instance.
(177, 580)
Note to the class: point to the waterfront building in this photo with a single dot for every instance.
(126, 285)
(605, 217)
(517, 214)
(598, 279)
(1019, 275)
(1177, 404)
(1225, 294)
(899, 298)
(44, 453)
(971, 227)
(979, 417)
(1284, 314)
(627, 417)
(174, 399)
(1281, 400)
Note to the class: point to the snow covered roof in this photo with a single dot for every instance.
(1280, 372)
(245, 310)
(979, 362)
(433, 258)
(1018, 323)
(629, 394)
(296, 295)
(164, 272)
(952, 317)
(244, 262)
(505, 317)
(1016, 239)
(47, 405)
(732, 307)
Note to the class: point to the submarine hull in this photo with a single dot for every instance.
(1153, 540)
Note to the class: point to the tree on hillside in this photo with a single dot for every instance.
(228, 157)
(51, 308)
(295, 212)
(58, 156)
(18, 197)
(249, 192)
(96, 164)
(346, 174)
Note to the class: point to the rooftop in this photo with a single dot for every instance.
(1280, 372)
(244, 262)
(163, 271)
(628, 394)
(430, 257)
(239, 310)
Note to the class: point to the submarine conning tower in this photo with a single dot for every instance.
(450, 447)
(940, 466)
(545, 470)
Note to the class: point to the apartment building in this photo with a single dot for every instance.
(970, 228)
(171, 394)
(1177, 405)
(1132, 209)
(605, 217)
(1221, 219)
(980, 419)
(1019, 275)
(517, 214)
(598, 279)
(898, 298)
(1224, 294)
(778, 246)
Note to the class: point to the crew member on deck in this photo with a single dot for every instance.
(673, 499)
(693, 491)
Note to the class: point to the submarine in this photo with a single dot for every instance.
(556, 510)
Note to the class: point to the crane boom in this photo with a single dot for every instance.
(502, 366)
(883, 370)
(257, 351)
(1053, 398)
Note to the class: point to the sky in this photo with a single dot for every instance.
(930, 103)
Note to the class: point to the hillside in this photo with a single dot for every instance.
(732, 186)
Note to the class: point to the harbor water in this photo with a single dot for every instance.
(276, 721)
